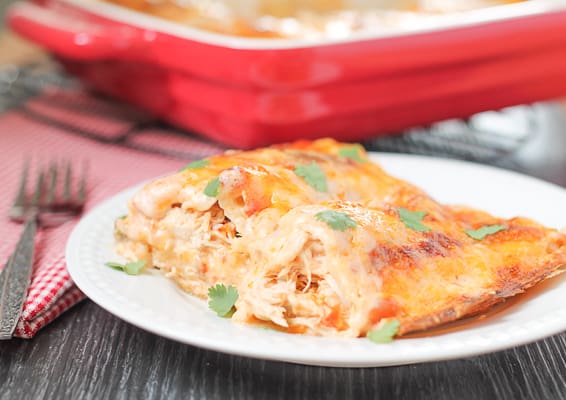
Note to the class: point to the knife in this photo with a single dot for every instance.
(15, 280)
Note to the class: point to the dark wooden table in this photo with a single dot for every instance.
(89, 353)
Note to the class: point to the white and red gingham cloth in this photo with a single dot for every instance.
(111, 169)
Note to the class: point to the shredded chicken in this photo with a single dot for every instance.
(301, 273)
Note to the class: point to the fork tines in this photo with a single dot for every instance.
(56, 189)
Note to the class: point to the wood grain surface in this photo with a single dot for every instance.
(90, 354)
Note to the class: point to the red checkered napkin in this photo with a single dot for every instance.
(111, 169)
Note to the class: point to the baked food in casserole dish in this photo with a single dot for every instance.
(304, 19)
(319, 240)
(246, 91)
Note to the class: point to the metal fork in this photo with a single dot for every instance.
(50, 204)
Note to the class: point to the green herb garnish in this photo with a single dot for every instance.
(211, 189)
(336, 220)
(482, 232)
(131, 268)
(196, 164)
(222, 299)
(352, 152)
(386, 333)
(413, 219)
(313, 175)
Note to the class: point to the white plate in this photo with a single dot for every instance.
(152, 302)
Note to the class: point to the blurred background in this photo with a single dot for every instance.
(530, 136)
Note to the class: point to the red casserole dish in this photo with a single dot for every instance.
(250, 92)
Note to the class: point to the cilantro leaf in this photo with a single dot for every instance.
(134, 267)
(212, 188)
(196, 164)
(386, 333)
(222, 299)
(313, 175)
(131, 268)
(352, 152)
(336, 220)
(115, 265)
(413, 219)
(482, 232)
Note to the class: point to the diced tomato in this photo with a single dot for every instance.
(297, 329)
(387, 308)
(335, 319)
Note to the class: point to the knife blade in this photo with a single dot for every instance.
(15, 280)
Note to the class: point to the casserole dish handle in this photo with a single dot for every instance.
(72, 35)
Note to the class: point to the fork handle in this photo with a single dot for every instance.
(15, 279)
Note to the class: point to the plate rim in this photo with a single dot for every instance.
(324, 359)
